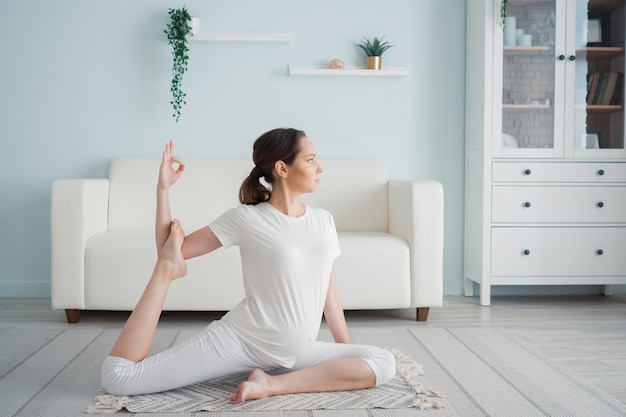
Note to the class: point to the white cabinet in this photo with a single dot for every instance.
(545, 154)
(558, 255)
(558, 204)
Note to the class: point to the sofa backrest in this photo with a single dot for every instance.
(354, 191)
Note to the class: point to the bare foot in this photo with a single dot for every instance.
(170, 256)
(257, 386)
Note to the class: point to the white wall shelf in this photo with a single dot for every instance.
(240, 37)
(349, 71)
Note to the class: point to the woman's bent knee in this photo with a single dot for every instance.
(383, 363)
(113, 378)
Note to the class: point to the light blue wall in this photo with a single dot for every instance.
(86, 81)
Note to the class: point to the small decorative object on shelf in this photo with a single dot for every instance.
(374, 50)
(177, 31)
(510, 31)
(336, 64)
(502, 11)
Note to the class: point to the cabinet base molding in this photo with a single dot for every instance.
(485, 289)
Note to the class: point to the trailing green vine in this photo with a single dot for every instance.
(177, 31)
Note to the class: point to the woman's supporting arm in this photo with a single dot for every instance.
(333, 312)
(200, 242)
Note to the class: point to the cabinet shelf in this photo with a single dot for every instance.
(350, 71)
(590, 51)
(604, 108)
(593, 4)
(240, 37)
(525, 106)
(605, 4)
(526, 48)
(595, 52)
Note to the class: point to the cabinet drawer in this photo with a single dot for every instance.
(558, 251)
(518, 204)
(602, 172)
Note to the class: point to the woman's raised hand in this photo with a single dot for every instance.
(171, 167)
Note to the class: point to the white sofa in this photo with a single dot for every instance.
(103, 250)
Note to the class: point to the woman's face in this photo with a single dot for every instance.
(304, 174)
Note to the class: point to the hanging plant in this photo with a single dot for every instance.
(177, 31)
(502, 11)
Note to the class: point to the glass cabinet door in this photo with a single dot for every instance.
(530, 90)
(598, 106)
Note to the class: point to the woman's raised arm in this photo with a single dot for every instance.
(170, 171)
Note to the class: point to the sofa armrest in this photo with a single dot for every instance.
(78, 210)
(416, 214)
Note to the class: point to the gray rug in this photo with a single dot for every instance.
(403, 391)
(483, 372)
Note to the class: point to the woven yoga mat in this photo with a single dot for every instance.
(403, 391)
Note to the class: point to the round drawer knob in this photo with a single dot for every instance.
(527, 204)
(599, 251)
(600, 204)
(527, 172)
(526, 252)
(561, 57)
(572, 57)
(601, 172)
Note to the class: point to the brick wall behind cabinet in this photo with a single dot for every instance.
(529, 75)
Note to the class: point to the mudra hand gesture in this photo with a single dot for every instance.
(171, 167)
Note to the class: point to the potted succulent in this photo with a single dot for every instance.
(177, 31)
(374, 50)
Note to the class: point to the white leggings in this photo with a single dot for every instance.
(217, 351)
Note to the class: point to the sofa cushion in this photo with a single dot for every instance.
(119, 264)
(208, 188)
(354, 191)
(373, 271)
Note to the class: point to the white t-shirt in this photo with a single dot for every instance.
(286, 265)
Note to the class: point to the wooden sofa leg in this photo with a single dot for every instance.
(422, 313)
(72, 315)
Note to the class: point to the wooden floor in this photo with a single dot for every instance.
(586, 334)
